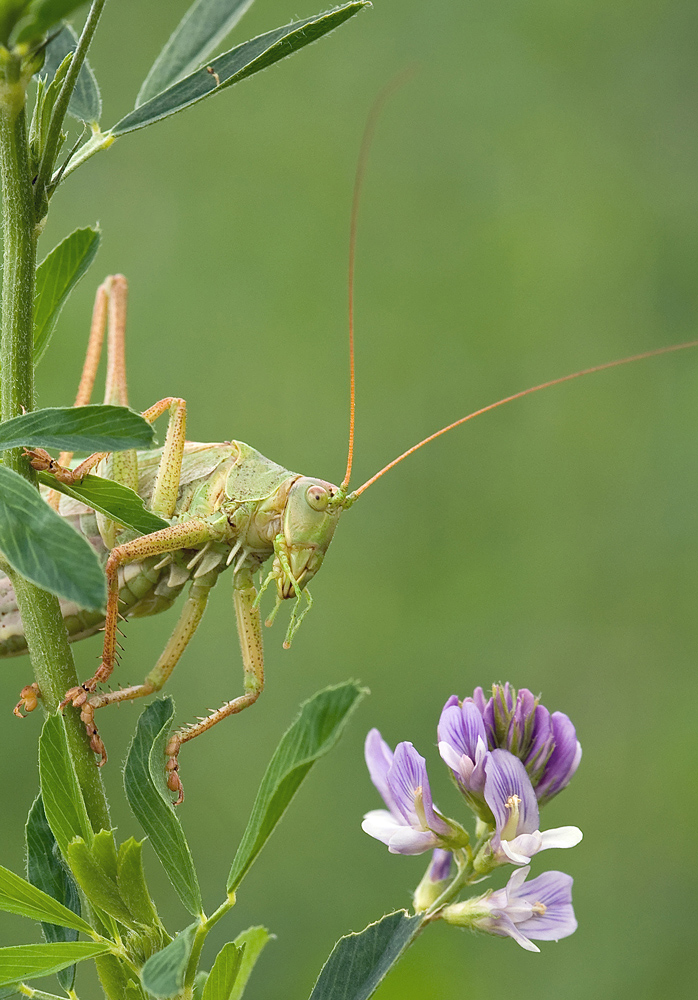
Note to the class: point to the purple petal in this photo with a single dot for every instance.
(409, 784)
(551, 893)
(450, 728)
(407, 774)
(541, 742)
(479, 700)
(489, 720)
(523, 710)
(473, 729)
(527, 700)
(505, 778)
(563, 761)
(461, 728)
(379, 757)
(440, 868)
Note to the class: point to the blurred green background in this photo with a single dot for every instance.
(529, 210)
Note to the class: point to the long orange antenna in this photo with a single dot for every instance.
(366, 141)
(519, 395)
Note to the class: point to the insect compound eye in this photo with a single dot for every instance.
(317, 497)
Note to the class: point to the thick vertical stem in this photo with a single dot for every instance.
(41, 615)
(19, 239)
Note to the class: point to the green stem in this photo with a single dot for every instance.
(199, 939)
(29, 991)
(19, 240)
(41, 614)
(60, 108)
(97, 141)
(463, 877)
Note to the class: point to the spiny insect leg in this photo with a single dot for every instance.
(176, 644)
(250, 633)
(188, 534)
(164, 498)
(89, 370)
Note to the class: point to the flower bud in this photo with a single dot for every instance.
(436, 879)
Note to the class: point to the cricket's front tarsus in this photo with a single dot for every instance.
(28, 700)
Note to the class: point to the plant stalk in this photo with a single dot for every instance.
(60, 108)
(199, 940)
(47, 641)
(97, 142)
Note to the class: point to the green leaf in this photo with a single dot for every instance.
(9, 991)
(151, 801)
(359, 962)
(117, 980)
(201, 30)
(40, 16)
(19, 896)
(30, 961)
(132, 884)
(44, 548)
(56, 277)
(97, 883)
(117, 502)
(236, 65)
(222, 976)
(103, 849)
(163, 973)
(252, 941)
(97, 427)
(63, 803)
(199, 983)
(86, 100)
(48, 872)
(313, 734)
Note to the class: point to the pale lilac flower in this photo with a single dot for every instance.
(515, 721)
(410, 825)
(510, 796)
(540, 909)
(463, 746)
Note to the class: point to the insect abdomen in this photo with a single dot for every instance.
(78, 622)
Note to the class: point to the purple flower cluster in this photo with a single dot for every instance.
(545, 743)
(508, 755)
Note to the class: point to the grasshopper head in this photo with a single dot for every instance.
(308, 525)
